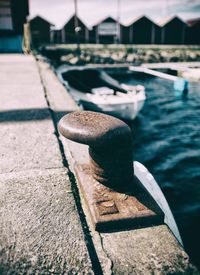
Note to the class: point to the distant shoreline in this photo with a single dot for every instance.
(119, 54)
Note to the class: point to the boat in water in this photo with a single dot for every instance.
(95, 90)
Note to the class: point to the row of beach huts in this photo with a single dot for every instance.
(140, 30)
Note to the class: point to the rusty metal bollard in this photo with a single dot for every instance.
(110, 145)
(113, 195)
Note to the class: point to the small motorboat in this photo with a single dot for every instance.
(95, 90)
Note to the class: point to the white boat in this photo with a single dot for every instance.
(95, 90)
(152, 187)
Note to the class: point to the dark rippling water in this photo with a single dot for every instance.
(167, 142)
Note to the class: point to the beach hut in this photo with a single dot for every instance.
(106, 31)
(139, 30)
(173, 30)
(13, 16)
(193, 32)
(68, 34)
(40, 31)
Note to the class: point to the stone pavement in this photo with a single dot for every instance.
(40, 229)
(43, 229)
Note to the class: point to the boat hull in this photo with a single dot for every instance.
(125, 102)
(126, 111)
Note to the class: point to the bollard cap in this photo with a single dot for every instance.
(95, 129)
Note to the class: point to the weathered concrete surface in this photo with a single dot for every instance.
(144, 251)
(26, 131)
(28, 145)
(40, 229)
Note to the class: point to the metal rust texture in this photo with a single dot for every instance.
(112, 210)
(115, 199)
(110, 142)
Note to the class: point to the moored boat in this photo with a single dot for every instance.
(95, 90)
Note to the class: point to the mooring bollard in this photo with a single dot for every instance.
(114, 197)
(110, 145)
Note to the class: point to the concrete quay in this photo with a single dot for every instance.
(40, 227)
(45, 227)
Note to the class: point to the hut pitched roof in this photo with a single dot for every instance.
(105, 18)
(164, 21)
(71, 18)
(135, 19)
(41, 18)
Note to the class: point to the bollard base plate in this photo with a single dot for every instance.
(113, 210)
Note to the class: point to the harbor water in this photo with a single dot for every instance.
(167, 141)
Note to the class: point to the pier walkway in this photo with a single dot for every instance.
(42, 226)
(40, 229)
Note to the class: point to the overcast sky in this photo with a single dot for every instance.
(90, 11)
